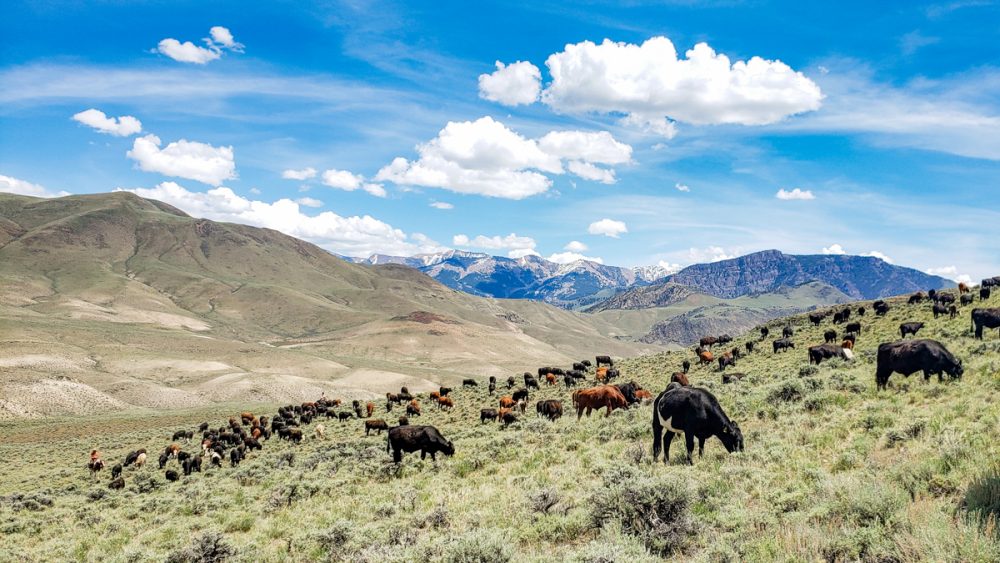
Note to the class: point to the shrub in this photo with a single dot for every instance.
(654, 510)
(982, 499)
(335, 537)
(209, 547)
(788, 392)
(544, 500)
(480, 546)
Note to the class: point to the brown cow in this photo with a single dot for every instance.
(680, 377)
(435, 395)
(413, 409)
(848, 344)
(246, 417)
(705, 357)
(602, 374)
(370, 409)
(445, 403)
(550, 378)
(506, 402)
(644, 396)
(377, 424)
(963, 288)
(501, 413)
(596, 398)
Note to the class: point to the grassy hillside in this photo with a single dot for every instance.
(111, 300)
(833, 471)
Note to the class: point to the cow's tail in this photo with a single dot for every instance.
(657, 430)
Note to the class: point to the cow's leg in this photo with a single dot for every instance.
(689, 442)
(397, 455)
(433, 456)
(579, 413)
(667, 438)
(423, 454)
(701, 447)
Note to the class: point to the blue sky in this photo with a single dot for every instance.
(878, 123)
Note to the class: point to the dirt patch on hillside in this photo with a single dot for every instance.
(49, 397)
(426, 318)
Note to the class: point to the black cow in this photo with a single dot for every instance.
(787, 332)
(492, 387)
(939, 309)
(764, 331)
(550, 409)
(952, 311)
(117, 483)
(133, 456)
(470, 383)
(116, 471)
(235, 456)
(568, 380)
(613, 374)
(909, 328)
(410, 439)
(530, 382)
(910, 356)
(944, 298)
(488, 414)
(861, 311)
(985, 318)
(171, 475)
(724, 339)
(685, 366)
(604, 360)
(164, 458)
(586, 363)
(520, 395)
(916, 298)
(445, 390)
(508, 418)
(192, 464)
(853, 328)
(825, 351)
(574, 374)
(732, 377)
(726, 359)
(783, 343)
(842, 316)
(511, 382)
(984, 293)
(697, 414)
(378, 425)
(881, 308)
(830, 336)
(816, 318)
(749, 346)
(628, 391)
(578, 366)
(185, 434)
(965, 299)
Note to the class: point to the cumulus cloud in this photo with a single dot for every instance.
(351, 236)
(303, 174)
(309, 202)
(512, 241)
(23, 187)
(796, 194)
(570, 257)
(681, 187)
(123, 126)
(487, 158)
(348, 181)
(511, 85)
(187, 52)
(608, 228)
(654, 87)
(950, 272)
(575, 246)
(522, 252)
(834, 249)
(442, 205)
(184, 159)
(710, 254)
(879, 255)
(669, 268)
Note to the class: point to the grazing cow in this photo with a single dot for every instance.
(413, 408)
(183, 434)
(881, 308)
(133, 457)
(320, 432)
(550, 409)
(182, 456)
(550, 379)
(246, 417)
(861, 311)
(171, 475)
(117, 483)
(736, 353)
(917, 297)
(628, 391)
(816, 318)
(681, 378)
(613, 374)
(749, 346)
(909, 328)
(425, 439)
(164, 458)
(445, 390)
(295, 435)
(203, 427)
(787, 332)
(782, 344)
(830, 336)
(825, 351)
(724, 339)
(508, 418)
(597, 398)
(726, 359)
(578, 375)
(644, 396)
(697, 414)
(586, 363)
(853, 328)
(235, 457)
(939, 309)
(342, 416)
(506, 402)
(847, 344)
(732, 377)
(493, 386)
(932, 294)
(909, 356)
(841, 316)
(488, 414)
(404, 421)
(963, 287)
(216, 458)
(369, 409)
(705, 357)
(511, 382)
(764, 331)
(578, 366)
(985, 318)
(191, 465)
(984, 293)
(116, 470)
(377, 424)
(530, 381)
(601, 375)
(945, 298)
(469, 383)
(965, 299)
(604, 360)
(392, 398)
(686, 366)
(445, 403)
(952, 311)
(520, 395)
(708, 341)
(569, 381)
(434, 396)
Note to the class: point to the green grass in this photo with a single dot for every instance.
(833, 471)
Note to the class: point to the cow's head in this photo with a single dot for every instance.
(956, 370)
(732, 437)
(448, 448)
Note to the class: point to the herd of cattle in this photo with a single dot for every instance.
(680, 408)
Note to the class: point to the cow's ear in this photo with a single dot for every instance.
(725, 430)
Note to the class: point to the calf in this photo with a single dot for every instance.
(939, 309)
(909, 328)
(697, 414)
(686, 365)
(508, 418)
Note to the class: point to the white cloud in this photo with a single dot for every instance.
(348, 181)
(681, 187)
(377, 190)
(187, 52)
(123, 126)
(669, 268)
(588, 171)
(304, 174)
(591, 146)
(795, 194)
(950, 272)
(255, 191)
(309, 202)
(964, 278)
(522, 252)
(352, 236)
(570, 257)
(607, 227)
(879, 255)
(184, 159)
(496, 242)
(710, 254)
(511, 85)
(442, 205)
(575, 246)
(655, 87)
(835, 249)
(22, 187)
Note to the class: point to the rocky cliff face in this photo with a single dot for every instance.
(659, 295)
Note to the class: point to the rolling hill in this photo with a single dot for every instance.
(112, 301)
